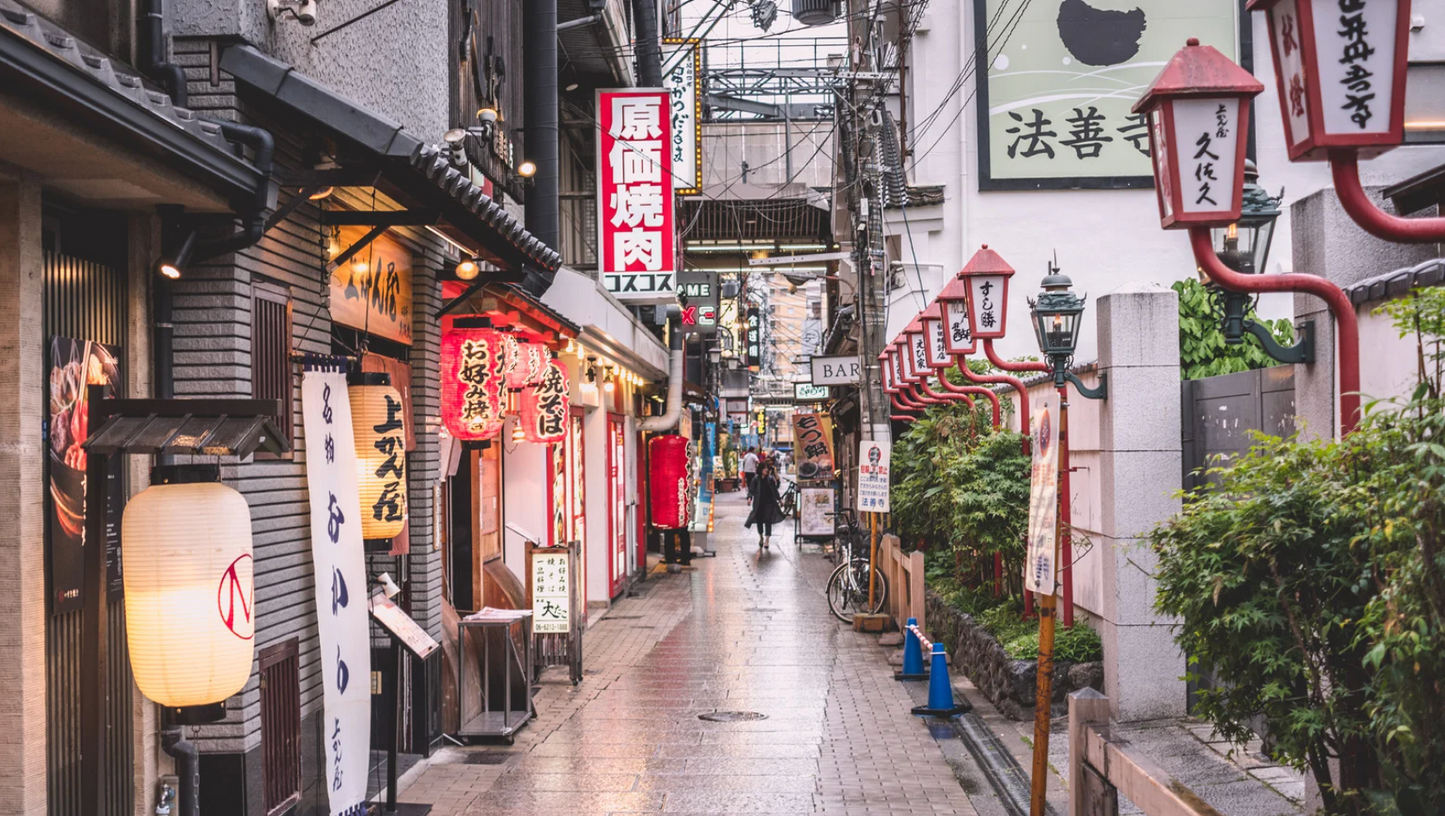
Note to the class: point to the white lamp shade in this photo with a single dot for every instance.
(189, 598)
(378, 423)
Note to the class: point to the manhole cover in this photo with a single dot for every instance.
(732, 716)
(485, 759)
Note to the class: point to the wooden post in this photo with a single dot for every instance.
(95, 601)
(1047, 603)
(872, 559)
(1086, 707)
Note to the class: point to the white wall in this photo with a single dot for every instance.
(1104, 238)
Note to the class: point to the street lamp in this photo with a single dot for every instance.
(1057, 313)
(987, 276)
(1243, 245)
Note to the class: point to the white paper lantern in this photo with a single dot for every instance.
(189, 600)
(378, 423)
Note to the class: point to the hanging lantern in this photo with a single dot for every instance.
(531, 365)
(511, 357)
(1341, 69)
(904, 351)
(667, 481)
(987, 275)
(473, 378)
(379, 428)
(1198, 114)
(953, 308)
(189, 602)
(545, 406)
(934, 337)
(918, 350)
(885, 370)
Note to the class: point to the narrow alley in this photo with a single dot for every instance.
(746, 632)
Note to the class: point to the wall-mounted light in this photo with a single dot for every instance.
(360, 267)
(172, 265)
(590, 373)
(487, 119)
(456, 140)
(527, 169)
(607, 383)
(468, 269)
(322, 194)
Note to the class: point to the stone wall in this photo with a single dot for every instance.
(1009, 684)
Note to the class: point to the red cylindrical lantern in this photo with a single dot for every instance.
(1198, 114)
(1340, 69)
(511, 358)
(531, 365)
(473, 378)
(545, 405)
(667, 481)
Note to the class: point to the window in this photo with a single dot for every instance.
(281, 726)
(271, 370)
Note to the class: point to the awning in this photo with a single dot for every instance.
(136, 148)
(372, 151)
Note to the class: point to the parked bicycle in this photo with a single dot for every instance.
(848, 585)
(789, 500)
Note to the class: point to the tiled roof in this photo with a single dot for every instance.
(1396, 283)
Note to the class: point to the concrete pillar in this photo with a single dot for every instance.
(22, 492)
(1139, 441)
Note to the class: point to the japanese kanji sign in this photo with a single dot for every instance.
(1039, 565)
(340, 582)
(685, 114)
(545, 406)
(372, 292)
(551, 591)
(873, 477)
(473, 375)
(813, 446)
(1053, 106)
(636, 242)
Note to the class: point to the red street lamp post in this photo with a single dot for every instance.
(1199, 175)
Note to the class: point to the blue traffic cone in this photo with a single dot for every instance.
(940, 689)
(913, 668)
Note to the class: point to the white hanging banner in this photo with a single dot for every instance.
(1039, 568)
(341, 588)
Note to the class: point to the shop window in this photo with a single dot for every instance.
(281, 726)
(272, 375)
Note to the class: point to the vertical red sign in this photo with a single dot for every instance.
(637, 249)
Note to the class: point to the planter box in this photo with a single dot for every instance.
(1009, 684)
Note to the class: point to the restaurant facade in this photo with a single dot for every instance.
(247, 210)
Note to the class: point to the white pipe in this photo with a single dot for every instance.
(670, 417)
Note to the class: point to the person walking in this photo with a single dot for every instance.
(749, 469)
(767, 509)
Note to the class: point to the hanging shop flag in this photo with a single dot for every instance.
(668, 481)
(813, 446)
(636, 243)
(685, 113)
(372, 292)
(873, 476)
(379, 428)
(473, 376)
(341, 588)
(1043, 504)
(545, 406)
(1054, 104)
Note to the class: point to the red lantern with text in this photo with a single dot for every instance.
(1198, 115)
(934, 337)
(667, 481)
(545, 405)
(531, 365)
(511, 358)
(918, 350)
(885, 369)
(986, 275)
(473, 377)
(1341, 69)
(953, 310)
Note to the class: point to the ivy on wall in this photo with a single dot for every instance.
(1202, 350)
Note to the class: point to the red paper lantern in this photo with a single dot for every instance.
(531, 365)
(511, 357)
(473, 375)
(667, 481)
(545, 405)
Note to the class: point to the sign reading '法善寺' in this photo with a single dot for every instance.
(636, 246)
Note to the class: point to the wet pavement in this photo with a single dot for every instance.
(746, 632)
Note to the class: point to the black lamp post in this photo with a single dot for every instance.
(1244, 247)
(1057, 312)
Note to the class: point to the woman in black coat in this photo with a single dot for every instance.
(767, 508)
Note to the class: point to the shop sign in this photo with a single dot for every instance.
(1039, 565)
(372, 292)
(473, 373)
(697, 291)
(755, 338)
(813, 445)
(379, 433)
(545, 406)
(74, 366)
(873, 477)
(637, 250)
(340, 585)
(836, 370)
(1054, 103)
(685, 113)
(551, 591)
(805, 392)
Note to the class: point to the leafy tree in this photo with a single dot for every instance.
(1202, 350)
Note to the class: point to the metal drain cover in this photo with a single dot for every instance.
(732, 716)
(485, 758)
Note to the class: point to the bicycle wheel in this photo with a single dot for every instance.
(848, 591)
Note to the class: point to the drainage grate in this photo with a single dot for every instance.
(732, 716)
(485, 758)
(622, 617)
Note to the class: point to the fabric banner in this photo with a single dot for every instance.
(341, 588)
(813, 446)
(1039, 567)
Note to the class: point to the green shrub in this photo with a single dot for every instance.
(1075, 644)
(1202, 350)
